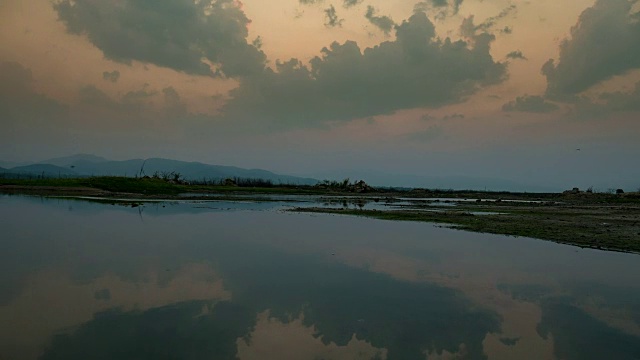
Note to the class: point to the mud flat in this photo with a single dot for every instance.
(603, 225)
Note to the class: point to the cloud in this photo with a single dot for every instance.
(415, 70)
(453, 116)
(132, 106)
(195, 37)
(442, 8)
(350, 3)
(20, 104)
(427, 117)
(469, 28)
(138, 96)
(431, 133)
(332, 19)
(456, 6)
(112, 76)
(622, 101)
(531, 104)
(606, 103)
(29, 119)
(493, 20)
(438, 3)
(605, 42)
(174, 106)
(146, 113)
(384, 23)
(516, 55)
(310, 2)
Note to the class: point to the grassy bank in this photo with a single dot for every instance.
(602, 221)
(103, 183)
(601, 227)
(141, 186)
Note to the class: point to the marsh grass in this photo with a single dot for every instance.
(160, 186)
(588, 227)
(107, 183)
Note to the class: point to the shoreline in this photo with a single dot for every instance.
(599, 221)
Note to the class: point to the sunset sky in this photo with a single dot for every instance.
(543, 92)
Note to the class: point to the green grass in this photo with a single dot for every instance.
(108, 183)
(556, 225)
(151, 186)
(276, 189)
(45, 182)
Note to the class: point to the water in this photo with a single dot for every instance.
(218, 280)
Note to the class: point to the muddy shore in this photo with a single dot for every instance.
(600, 221)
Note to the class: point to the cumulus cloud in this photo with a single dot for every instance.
(622, 101)
(605, 42)
(25, 112)
(112, 76)
(134, 110)
(384, 23)
(440, 8)
(331, 17)
(456, 6)
(417, 69)
(507, 30)
(20, 103)
(493, 20)
(469, 28)
(350, 3)
(132, 106)
(431, 133)
(453, 116)
(607, 103)
(195, 37)
(138, 96)
(516, 55)
(173, 104)
(532, 104)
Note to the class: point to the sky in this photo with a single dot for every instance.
(543, 93)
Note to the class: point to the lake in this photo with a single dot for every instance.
(249, 280)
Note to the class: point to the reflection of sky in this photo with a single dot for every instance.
(402, 288)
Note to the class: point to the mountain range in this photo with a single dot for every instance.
(91, 165)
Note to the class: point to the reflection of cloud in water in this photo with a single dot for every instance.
(58, 302)
(438, 287)
(579, 336)
(274, 339)
(576, 333)
(519, 319)
(339, 301)
(186, 330)
(462, 353)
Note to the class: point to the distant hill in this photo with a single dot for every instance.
(67, 161)
(91, 165)
(39, 169)
(10, 164)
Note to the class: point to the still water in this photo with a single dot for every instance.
(225, 280)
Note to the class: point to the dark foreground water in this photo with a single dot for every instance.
(220, 280)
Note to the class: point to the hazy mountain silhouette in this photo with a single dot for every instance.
(67, 161)
(91, 165)
(38, 169)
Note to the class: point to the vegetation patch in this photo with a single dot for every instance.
(592, 226)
